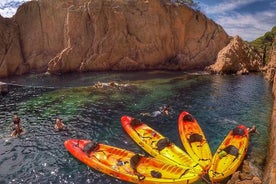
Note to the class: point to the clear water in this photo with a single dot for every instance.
(219, 103)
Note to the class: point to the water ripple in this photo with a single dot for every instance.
(218, 102)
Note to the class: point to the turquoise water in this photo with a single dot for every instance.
(219, 103)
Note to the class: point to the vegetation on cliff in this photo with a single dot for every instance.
(265, 43)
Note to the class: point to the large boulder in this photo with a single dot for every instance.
(237, 57)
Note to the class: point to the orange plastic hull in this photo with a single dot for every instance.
(109, 159)
(194, 140)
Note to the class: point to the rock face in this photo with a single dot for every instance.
(245, 176)
(4, 89)
(11, 58)
(92, 35)
(270, 171)
(271, 66)
(237, 57)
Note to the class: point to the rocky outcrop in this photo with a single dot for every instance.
(237, 57)
(270, 171)
(11, 58)
(92, 35)
(271, 66)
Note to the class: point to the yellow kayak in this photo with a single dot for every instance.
(157, 145)
(194, 140)
(126, 165)
(229, 154)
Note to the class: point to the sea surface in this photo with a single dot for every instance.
(219, 103)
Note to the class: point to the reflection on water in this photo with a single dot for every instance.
(219, 103)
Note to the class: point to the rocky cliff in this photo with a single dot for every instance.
(237, 57)
(270, 171)
(92, 35)
(11, 58)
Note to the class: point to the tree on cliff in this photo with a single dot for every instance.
(264, 44)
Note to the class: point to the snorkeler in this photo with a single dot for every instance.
(162, 110)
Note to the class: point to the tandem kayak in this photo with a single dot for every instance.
(194, 140)
(126, 165)
(229, 154)
(157, 145)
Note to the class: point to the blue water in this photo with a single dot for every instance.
(219, 103)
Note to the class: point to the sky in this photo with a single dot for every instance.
(249, 19)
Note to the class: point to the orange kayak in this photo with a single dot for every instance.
(157, 145)
(229, 154)
(126, 165)
(194, 140)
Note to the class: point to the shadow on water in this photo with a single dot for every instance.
(219, 103)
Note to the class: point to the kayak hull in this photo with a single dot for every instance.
(194, 140)
(120, 163)
(150, 140)
(229, 154)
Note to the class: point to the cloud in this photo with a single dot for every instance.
(248, 26)
(226, 6)
(9, 7)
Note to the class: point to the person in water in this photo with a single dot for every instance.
(253, 129)
(162, 110)
(17, 130)
(59, 125)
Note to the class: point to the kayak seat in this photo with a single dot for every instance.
(232, 150)
(91, 146)
(195, 137)
(162, 143)
(156, 174)
(135, 122)
(238, 131)
(134, 161)
(188, 118)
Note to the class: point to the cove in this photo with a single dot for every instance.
(219, 103)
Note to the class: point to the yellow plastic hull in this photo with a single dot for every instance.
(194, 140)
(229, 155)
(118, 163)
(148, 139)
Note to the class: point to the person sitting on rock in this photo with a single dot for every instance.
(252, 129)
